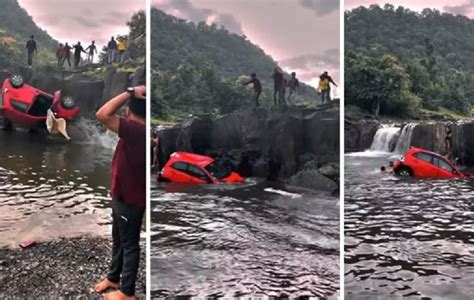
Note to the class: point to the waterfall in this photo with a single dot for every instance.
(404, 141)
(385, 139)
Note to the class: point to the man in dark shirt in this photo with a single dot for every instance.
(92, 49)
(278, 86)
(111, 50)
(128, 190)
(257, 87)
(293, 85)
(78, 49)
(31, 49)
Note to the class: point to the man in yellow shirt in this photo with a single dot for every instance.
(122, 47)
(325, 87)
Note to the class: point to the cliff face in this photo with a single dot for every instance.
(358, 135)
(88, 91)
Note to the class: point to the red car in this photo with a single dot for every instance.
(27, 107)
(423, 163)
(183, 167)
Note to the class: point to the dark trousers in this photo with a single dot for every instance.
(126, 225)
(30, 58)
(77, 59)
(326, 96)
(256, 95)
(64, 59)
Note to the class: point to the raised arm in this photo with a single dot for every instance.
(108, 113)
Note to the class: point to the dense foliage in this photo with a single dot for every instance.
(197, 66)
(16, 26)
(405, 60)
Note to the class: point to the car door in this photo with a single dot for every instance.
(424, 165)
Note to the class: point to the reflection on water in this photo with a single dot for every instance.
(222, 240)
(406, 237)
(50, 187)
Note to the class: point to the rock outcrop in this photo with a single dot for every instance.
(358, 135)
(273, 144)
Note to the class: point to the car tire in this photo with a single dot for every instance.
(404, 172)
(68, 102)
(16, 81)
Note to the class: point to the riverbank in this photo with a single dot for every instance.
(63, 268)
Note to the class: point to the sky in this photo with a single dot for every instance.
(302, 35)
(82, 20)
(461, 7)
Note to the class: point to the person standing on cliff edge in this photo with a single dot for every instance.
(31, 49)
(128, 190)
(257, 87)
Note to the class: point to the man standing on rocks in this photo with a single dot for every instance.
(111, 51)
(278, 86)
(257, 87)
(66, 55)
(78, 49)
(293, 85)
(325, 82)
(91, 50)
(31, 49)
(128, 190)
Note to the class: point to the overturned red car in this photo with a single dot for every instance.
(423, 163)
(27, 107)
(183, 167)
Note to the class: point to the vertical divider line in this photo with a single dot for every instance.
(341, 150)
(148, 150)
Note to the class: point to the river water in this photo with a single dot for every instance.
(50, 187)
(406, 237)
(244, 240)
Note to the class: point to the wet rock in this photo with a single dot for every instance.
(314, 180)
(358, 135)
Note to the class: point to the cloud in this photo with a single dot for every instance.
(315, 62)
(321, 7)
(463, 9)
(185, 9)
(85, 22)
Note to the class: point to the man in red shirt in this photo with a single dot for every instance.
(128, 190)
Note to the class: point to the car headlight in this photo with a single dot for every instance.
(402, 159)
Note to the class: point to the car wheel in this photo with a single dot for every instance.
(68, 102)
(404, 172)
(17, 81)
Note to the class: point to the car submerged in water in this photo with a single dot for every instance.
(418, 162)
(28, 107)
(184, 167)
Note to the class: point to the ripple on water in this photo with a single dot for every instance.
(244, 241)
(406, 237)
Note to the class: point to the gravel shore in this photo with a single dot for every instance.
(63, 268)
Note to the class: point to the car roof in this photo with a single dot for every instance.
(192, 158)
(415, 149)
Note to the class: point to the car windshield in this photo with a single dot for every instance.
(217, 171)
